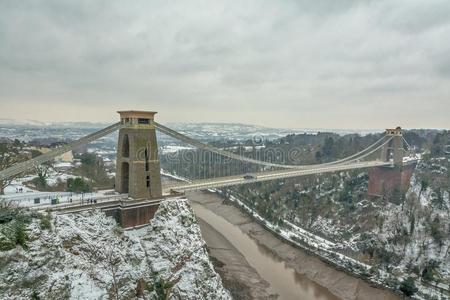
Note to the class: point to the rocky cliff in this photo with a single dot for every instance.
(88, 256)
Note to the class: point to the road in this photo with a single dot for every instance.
(266, 176)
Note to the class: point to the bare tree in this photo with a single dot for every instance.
(42, 173)
(110, 260)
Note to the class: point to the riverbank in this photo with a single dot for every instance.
(338, 283)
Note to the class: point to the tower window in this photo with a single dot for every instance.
(146, 159)
(143, 121)
(126, 146)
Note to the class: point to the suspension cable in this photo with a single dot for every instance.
(406, 142)
(371, 152)
(203, 146)
(355, 156)
(29, 164)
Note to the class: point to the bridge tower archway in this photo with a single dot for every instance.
(137, 165)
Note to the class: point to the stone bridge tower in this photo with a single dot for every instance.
(391, 181)
(395, 148)
(137, 165)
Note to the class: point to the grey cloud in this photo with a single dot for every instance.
(415, 16)
(227, 61)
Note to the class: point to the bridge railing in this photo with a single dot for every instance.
(89, 202)
(44, 199)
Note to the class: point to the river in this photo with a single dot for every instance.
(281, 269)
(283, 280)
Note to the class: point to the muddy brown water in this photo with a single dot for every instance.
(283, 280)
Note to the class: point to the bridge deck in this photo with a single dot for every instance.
(123, 200)
(265, 176)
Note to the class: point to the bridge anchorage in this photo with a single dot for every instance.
(138, 179)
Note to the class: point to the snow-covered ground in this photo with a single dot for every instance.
(87, 256)
(17, 186)
(421, 247)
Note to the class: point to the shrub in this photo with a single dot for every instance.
(13, 228)
(430, 270)
(46, 223)
(7, 214)
(21, 234)
(7, 238)
(408, 287)
(435, 228)
(13, 234)
(35, 296)
(78, 185)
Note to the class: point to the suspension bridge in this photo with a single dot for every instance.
(138, 176)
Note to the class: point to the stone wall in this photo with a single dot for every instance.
(384, 180)
(130, 217)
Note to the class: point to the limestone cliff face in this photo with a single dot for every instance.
(87, 256)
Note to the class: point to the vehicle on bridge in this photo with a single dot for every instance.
(250, 176)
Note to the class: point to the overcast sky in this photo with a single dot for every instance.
(300, 63)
